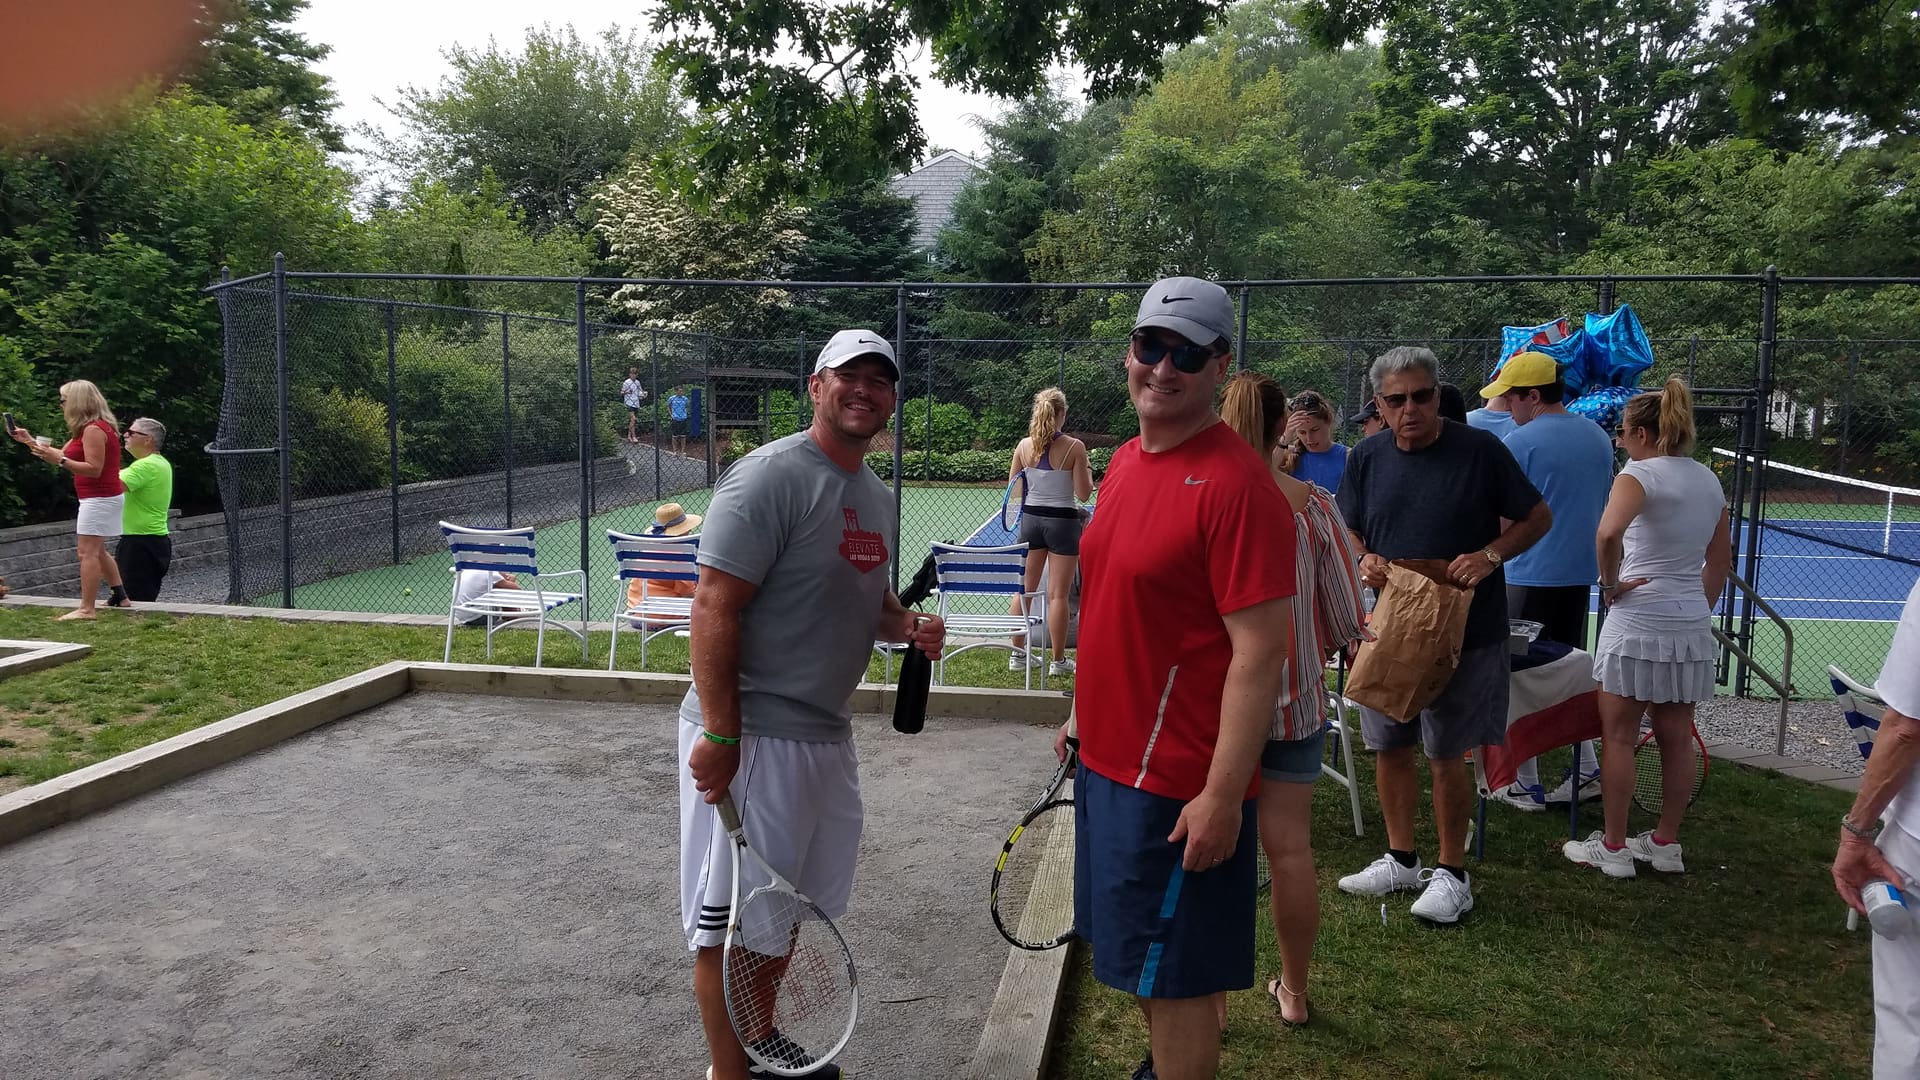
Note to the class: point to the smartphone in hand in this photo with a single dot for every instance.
(11, 426)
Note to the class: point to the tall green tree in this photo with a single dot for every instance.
(804, 96)
(1034, 150)
(107, 239)
(1529, 118)
(1849, 63)
(549, 120)
(256, 65)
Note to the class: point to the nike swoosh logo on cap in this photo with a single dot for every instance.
(1174, 299)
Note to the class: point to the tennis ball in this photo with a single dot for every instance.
(409, 592)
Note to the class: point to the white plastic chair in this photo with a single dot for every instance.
(644, 559)
(1339, 709)
(508, 551)
(992, 572)
(1863, 710)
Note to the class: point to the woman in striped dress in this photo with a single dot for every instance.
(1327, 616)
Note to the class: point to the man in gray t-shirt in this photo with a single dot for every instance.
(792, 595)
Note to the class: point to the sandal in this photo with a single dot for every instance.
(1277, 986)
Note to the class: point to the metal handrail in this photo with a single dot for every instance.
(1782, 686)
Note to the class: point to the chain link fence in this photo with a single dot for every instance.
(361, 410)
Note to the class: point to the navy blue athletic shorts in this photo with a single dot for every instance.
(1156, 930)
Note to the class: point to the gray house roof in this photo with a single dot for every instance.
(933, 187)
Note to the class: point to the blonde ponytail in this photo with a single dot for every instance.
(1049, 412)
(1253, 406)
(1667, 416)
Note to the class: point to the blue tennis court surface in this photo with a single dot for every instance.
(1806, 579)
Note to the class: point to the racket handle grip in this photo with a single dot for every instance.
(729, 814)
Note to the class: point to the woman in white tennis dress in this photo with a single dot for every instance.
(1664, 554)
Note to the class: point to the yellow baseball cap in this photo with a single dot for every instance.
(1522, 371)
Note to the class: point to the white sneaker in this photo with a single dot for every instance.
(1060, 667)
(1589, 790)
(1017, 660)
(1662, 857)
(1594, 852)
(1520, 796)
(1382, 876)
(1445, 898)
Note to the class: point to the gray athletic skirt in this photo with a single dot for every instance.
(1656, 658)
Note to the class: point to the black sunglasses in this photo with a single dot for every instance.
(1419, 397)
(1192, 359)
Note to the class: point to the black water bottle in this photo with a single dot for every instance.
(910, 693)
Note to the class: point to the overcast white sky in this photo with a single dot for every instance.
(380, 45)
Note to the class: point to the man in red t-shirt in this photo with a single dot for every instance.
(1184, 632)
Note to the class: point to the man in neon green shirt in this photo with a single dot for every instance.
(145, 549)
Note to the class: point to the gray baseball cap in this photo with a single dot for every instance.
(852, 345)
(1197, 310)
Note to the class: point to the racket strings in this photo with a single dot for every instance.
(1034, 898)
(789, 986)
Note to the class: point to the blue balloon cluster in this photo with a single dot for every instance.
(1601, 363)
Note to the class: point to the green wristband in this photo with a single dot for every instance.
(721, 739)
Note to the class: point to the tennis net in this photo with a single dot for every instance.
(1845, 512)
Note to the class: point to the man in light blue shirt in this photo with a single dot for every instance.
(1494, 417)
(679, 408)
(1570, 459)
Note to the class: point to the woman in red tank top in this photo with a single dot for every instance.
(92, 455)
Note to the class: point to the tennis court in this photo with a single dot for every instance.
(422, 586)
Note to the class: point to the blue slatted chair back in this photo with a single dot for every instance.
(1863, 708)
(501, 551)
(656, 558)
(980, 570)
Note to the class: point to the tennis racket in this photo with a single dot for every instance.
(1648, 790)
(1010, 503)
(1031, 898)
(791, 991)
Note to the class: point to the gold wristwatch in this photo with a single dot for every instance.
(1492, 556)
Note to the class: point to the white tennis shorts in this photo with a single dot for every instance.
(800, 805)
(100, 516)
(1896, 975)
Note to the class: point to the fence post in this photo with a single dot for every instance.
(1763, 390)
(1240, 333)
(285, 432)
(1693, 359)
(1606, 296)
(1061, 379)
(506, 412)
(653, 360)
(393, 429)
(899, 427)
(583, 405)
(900, 420)
(236, 594)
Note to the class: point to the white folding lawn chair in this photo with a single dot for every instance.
(509, 552)
(995, 573)
(1339, 714)
(648, 559)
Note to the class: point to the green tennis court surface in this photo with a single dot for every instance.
(422, 586)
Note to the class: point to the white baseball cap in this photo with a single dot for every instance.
(852, 345)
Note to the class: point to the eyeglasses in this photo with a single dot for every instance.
(1422, 396)
(1191, 359)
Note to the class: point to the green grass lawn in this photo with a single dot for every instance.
(422, 586)
(153, 676)
(1739, 968)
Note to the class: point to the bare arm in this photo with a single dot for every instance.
(1713, 577)
(1623, 505)
(1082, 474)
(1520, 535)
(1210, 824)
(1895, 752)
(714, 643)
(1016, 464)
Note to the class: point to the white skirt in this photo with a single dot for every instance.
(101, 516)
(1656, 658)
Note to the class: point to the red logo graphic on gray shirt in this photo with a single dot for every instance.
(863, 548)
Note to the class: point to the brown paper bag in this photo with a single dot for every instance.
(1417, 626)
